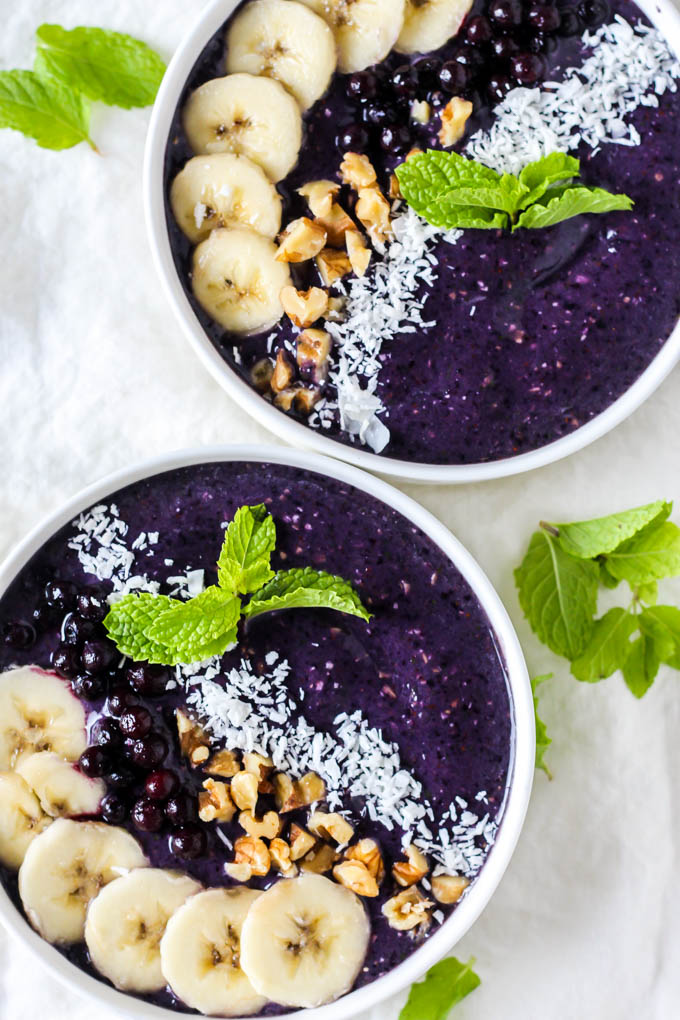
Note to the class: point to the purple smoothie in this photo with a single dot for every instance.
(535, 334)
(426, 669)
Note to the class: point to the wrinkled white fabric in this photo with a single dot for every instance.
(95, 375)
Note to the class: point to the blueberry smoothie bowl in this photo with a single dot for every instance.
(266, 739)
(304, 175)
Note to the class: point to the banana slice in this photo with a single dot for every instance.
(61, 789)
(365, 30)
(38, 712)
(429, 24)
(303, 942)
(251, 116)
(287, 41)
(200, 953)
(238, 281)
(224, 190)
(126, 922)
(64, 869)
(21, 819)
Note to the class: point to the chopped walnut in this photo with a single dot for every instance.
(241, 872)
(454, 120)
(286, 398)
(283, 372)
(421, 112)
(332, 265)
(300, 842)
(367, 852)
(260, 767)
(301, 240)
(359, 253)
(411, 870)
(303, 307)
(312, 788)
(261, 374)
(223, 763)
(336, 223)
(293, 795)
(244, 791)
(193, 740)
(449, 888)
(306, 399)
(267, 827)
(319, 860)
(215, 803)
(330, 826)
(253, 851)
(312, 349)
(408, 910)
(356, 876)
(357, 171)
(281, 856)
(336, 309)
(373, 210)
(395, 187)
(319, 196)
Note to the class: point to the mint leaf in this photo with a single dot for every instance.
(244, 563)
(571, 202)
(504, 196)
(607, 579)
(608, 647)
(444, 986)
(641, 666)
(427, 177)
(127, 621)
(55, 116)
(650, 555)
(306, 588)
(661, 624)
(588, 539)
(107, 66)
(207, 621)
(450, 216)
(558, 594)
(543, 741)
(647, 593)
(537, 177)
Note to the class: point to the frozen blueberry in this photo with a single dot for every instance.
(75, 630)
(188, 842)
(498, 87)
(181, 809)
(148, 680)
(427, 71)
(106, 733)
(454, 77)
(527, 68)
(97, 655)
(121, 778)
(91, 607)
(544, 17)
(593, 12)
(503, 47)
(120, 701)
(113, 809)
(18, 635)
(147, 815)
(149, 752)
(89, 687)
(379, 116)
(94, 762)
(161, 784)
(65, 660)
(404, 82)
(59, 594)
(395, 139)
(478, 30)
(362, 86)
(352, 138)
(136, 722)
(570, 23)
(506, 14)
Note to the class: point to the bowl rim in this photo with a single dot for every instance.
(522, 762)
(662, 13)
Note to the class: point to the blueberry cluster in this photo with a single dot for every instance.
(130, 742)
(496, 50)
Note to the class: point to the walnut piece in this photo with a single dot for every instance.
(306, 399)
(312, 349)
(330, 826)
(224, 764)
(281, 856)
(408, 910)
(336, 223)
(454, 120)
(367, 852)
(300, 241)
(300, 842)
(356, 876)
(261, 768)
(261, 374)
(421, 112)
(411, 870)
(215, 803)
(303, 307)
(244, 791)
(319, 860)
(319, 196)
(193, 740)
(283, 372)
(373, 210)
(449, 888)
(359, 253)
(253, 851)
(332, 265)
(239, 872)
(267, 827)
(293, 795)
(357, 171)
(395, 187)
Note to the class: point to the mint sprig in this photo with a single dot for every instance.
(543, 741)
(162, 630)
(452, 192)
(55, 116)
(443, 987)
(559, 580)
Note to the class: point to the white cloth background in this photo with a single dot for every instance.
(94, 375)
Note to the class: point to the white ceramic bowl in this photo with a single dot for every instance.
(521, 769)
(661, 12)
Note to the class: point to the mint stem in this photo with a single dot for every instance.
(550, 528)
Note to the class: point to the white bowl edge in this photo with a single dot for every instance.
(661, 12)
(522, 766)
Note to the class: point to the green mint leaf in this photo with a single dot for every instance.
(650, 555)
(127, 621)
(607, 579)
(427, 177)
(244, 563)
(568, 203)
(504, 196)
(207, 621)
(647, 593)
(450, 216)
(641, 666)
(55, 116)
(587, 539)
(608, 647)
(538, 176)
(543, 741)
(558, 594)
(306, 588)
(106, 66)
(443, 987)
(661, 624)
